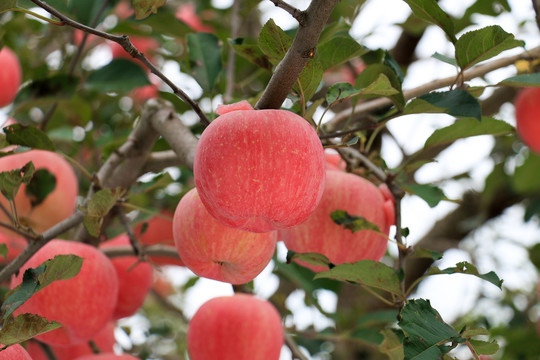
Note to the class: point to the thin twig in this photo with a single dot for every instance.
(129, 230)
(298, 14)
(295, 350)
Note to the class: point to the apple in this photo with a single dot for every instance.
(186, 13)
(123, 10)
(57, 206)
(104, 340)
(15, 246)
(334, 161)
(259, 170)
(238, 327)
(14, 352)
(83, 304)
(527, 107)
(107, 356)
(143, 93)
(10, 76)
(134, 279)
(162, 285)
(215, 251)
(320, 234)
(158, 230)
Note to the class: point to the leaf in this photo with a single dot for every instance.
(302, 277)
(391, 346)
(205, 58)
(310, 258)
(28, 136)
(310, 79)
(338, 50)
(143, 8)
(352, 222)
(120, 75)
(444, 58)
(42, 184)
(339, 92)
(4, 251)
(375, 85)
(25, 327)
(431, 194)
(430, 11)
(273, 42)
(369, 273)
(468, 127)
(11, 181)
(252, 53)
(522, 80)
(469, 269)
(457, 102)
(525, 177)
(421, 253)
(484, 347)
(99, 205)
(482, 44)
(61, 267)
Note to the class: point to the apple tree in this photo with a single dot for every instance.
(142, 139)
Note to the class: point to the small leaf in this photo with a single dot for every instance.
(369, 273)
(522, 80)
(310, 258)
(352, 222)
(310, 79)
(274, 42)
(28, 136)
(99, 205)
(252, 53)
(120, 75)
(457, 102)
(339, 92)
(421, 253)
(4, 251)
(431, 194)
(25, 327)
(484, 347)
(42, 184)
(11, 181)
(430, 11)
(468, 127)
(469, 269)
(483, 44)
(205, 58)
(380, 80)
(444, 58)
(61, 267)
(391, 346)
(143, 8)
(338, 50)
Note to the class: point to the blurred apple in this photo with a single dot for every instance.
(14, 352)
(527, 107)
(186, 13)
(10, 76)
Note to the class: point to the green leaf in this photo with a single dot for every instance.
(421, 253)
(525, 177)
(431, 194)
(42, 184)
(99, 205)
(483, 44)
(274, 42)
(18, 296)
(143, 8)
(425, 331)
(11, 181)
(469, 269)
(120, 75)
(4, 251)
(522, 80)
(373, 274)
(28, 136)
(484, 347)
(61, 267)
(302, 277)
(468, 127)
(352, 222)
(444, 58)
(457, 102)
(338, 50)
(25, 327)
(310, 258)
(430, 11)
(340, 92)
(391, 346)
(252, 53)
(380, 80)
(310, 79)
(205, 58)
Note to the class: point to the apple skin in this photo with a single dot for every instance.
(259, 170)
(319, 234)
(14, 352)
(215, 251)
(83, 304)
(238, 327)
(527, 108)
(57, 206)
(186, 13)
(108, 356)
(134, 282)
(104, 340)
(10, 76)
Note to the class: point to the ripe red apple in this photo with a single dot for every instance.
(15, 246)
(238, 327)
(162, 285)
(334, 161)
(134, 279)
(186, 13)
(158, 230)
(57, 206)
(84, 304)
(10, 76)
(108, 356)
(259, 170)
(104, 340)
(527, 105)
(14, 352)
(320, 234)
(215, 251)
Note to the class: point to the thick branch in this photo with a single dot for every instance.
(298, 55)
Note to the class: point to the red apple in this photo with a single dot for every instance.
(141, 94)
(259, 170)
(186, 13)
(158, 231)
(84, 304)
(57, 206)
(527, 105)
(108, 356)
(134, 279)
(14, 352)
(104, 340)
(320, 234)
(334, 161)
(162, 285)
(215, 251)
(15, 246)
(10, 76)
(123, 10)
(239, 327)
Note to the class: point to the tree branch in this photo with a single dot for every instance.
(536, 6)
(299, 15)
(298, 55)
